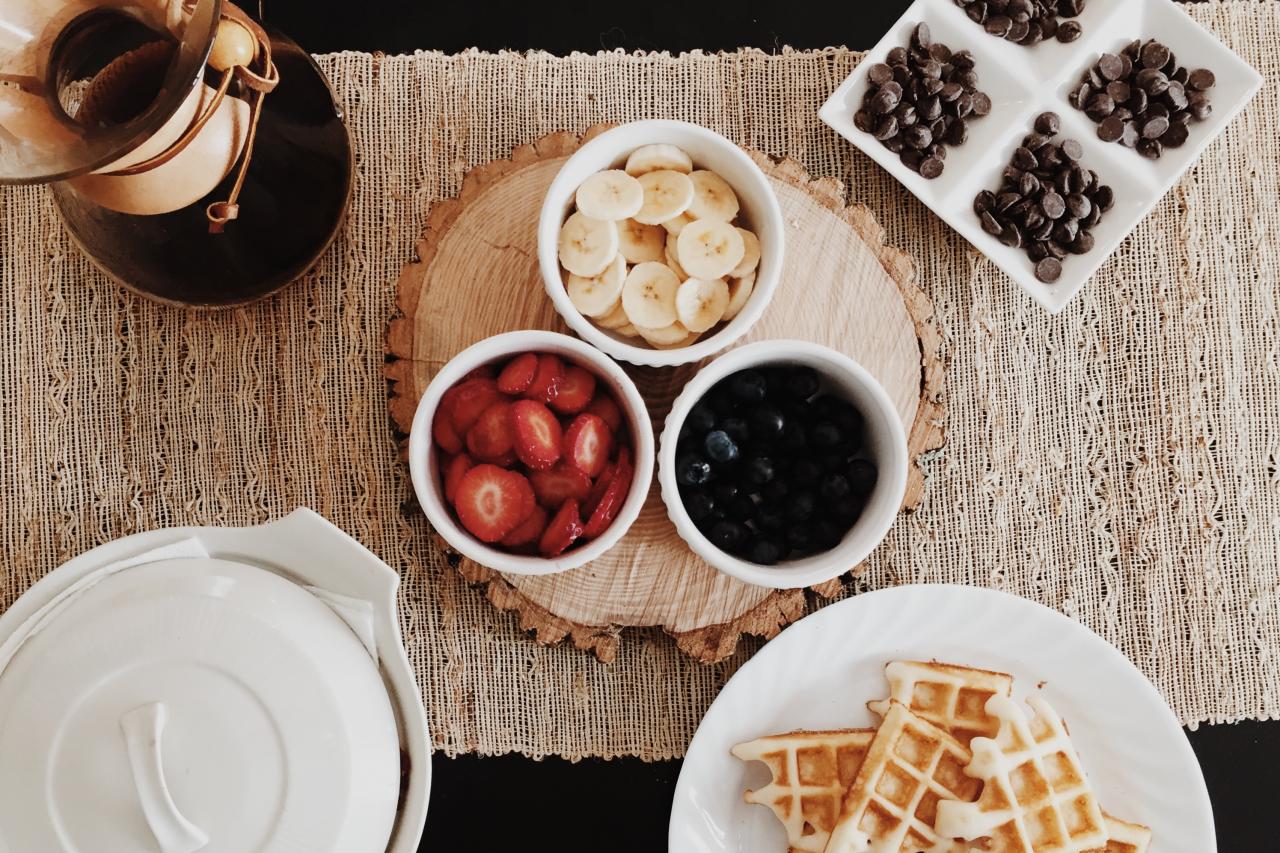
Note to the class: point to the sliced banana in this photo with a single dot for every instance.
(639, 243)
(667, 194)
(652, 158)
(713, 198)
(667, 336)
(615, 319)
(587, 246)
(672, 261)
(750, 256)
(597, 296)
(739, 292)
(675, 226)
(649, 295)
(610, 195)
(628, 331)
(709, 249)
(700, 304)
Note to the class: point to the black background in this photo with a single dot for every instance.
(512, 803)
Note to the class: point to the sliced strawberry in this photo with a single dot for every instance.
(606, 407)
(528, 531)
(588, 444)
(575, 390)
(556, 485)
(492, 436)
(484, 371)
(467, 401)
(458, 466)
(491, 501)
(546, 379)
(518, 374)
(539, 440)
(563, 531)
(507, 460)
(597, 489)
(442, 430)
(612, 499)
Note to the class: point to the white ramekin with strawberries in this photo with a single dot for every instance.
(531, 452)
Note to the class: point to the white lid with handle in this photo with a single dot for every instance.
(195, 705)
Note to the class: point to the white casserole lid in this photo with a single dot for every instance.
(194, 704)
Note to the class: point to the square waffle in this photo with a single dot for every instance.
(1037, 798)
(811, 772)
(911, 768)
(1125, 837)
(953, 698)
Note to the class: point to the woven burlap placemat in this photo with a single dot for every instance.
(1117, 462)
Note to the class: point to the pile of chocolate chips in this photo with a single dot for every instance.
(1047, 200)
(921, 100)
(1026, 22)
(1143, 99)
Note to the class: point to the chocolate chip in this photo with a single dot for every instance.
(1175, 136)
(984, 201)
(1069, 32)
(1100, 106)
(1119, 91)
(1024, 159)
(981, 104)
(1202, 80)
(1049, 270)
(1155, 55)
(879, 74)
(999, 25)
(1071, 150)
(1155, 127)
(1111, 67)
(1078, 205)
(1048, 123)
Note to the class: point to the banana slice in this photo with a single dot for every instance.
(667, 194)
(689, 339)
(649, 295)
(639, 243)
(667, 336)
(597, 296)
(750, 256)
(615, 319)
(628, 331)
(713, 198)
(675, 226)
(709, 249)
(672, 261)
(587, 246)
(652, 158)
(611, 195)
(739, 292)
(700, 304)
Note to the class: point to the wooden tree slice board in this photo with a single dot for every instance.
(477, 275)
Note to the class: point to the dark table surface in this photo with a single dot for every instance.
(512, 803)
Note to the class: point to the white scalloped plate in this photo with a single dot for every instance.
(819, 673)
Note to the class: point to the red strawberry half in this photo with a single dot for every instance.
(457, 466)
(588, 444)
(492, 436)
(517, 376)
(484, 371)
(528, 531)
(539, 440)
(563, 531)
(605, 406)
(612, 499)
(598, 488)
(557, 485)
(491, 502)
(466, 402)
(575, 391)
(546, 379)
(443, 432)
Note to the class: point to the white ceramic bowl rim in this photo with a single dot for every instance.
(610, 149)
(884, 424)
(424, 471)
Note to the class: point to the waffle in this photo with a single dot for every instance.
(1036, 798)
(911, 767)
(953, 698)
(1124, 837)
(811, 772)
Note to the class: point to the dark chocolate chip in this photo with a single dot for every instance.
(1048, 123)
(1049, 270)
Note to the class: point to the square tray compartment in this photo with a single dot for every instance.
(1026, 81)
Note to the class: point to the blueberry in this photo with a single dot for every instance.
(825, 435)
(736, 428)
(722, 402)
(699, 505)
(721, 449)
(802, 382)
(713, 518)
(800, 537)
(845, 511)
(747, 386)
(801, 506)
(792, 439)
(827, 535)
(725, 493)
(759, 470)
(767, 424)
(775, 381)
(776, 491)
(764, 551)
(701, 418)
(742, 508)
(862, 477)
(834, 486)
(835, 461)
(805, 472)
(773, 520)
(728, 535)
(842, 413)
(692, 470)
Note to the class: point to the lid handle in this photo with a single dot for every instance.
(142, 729)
